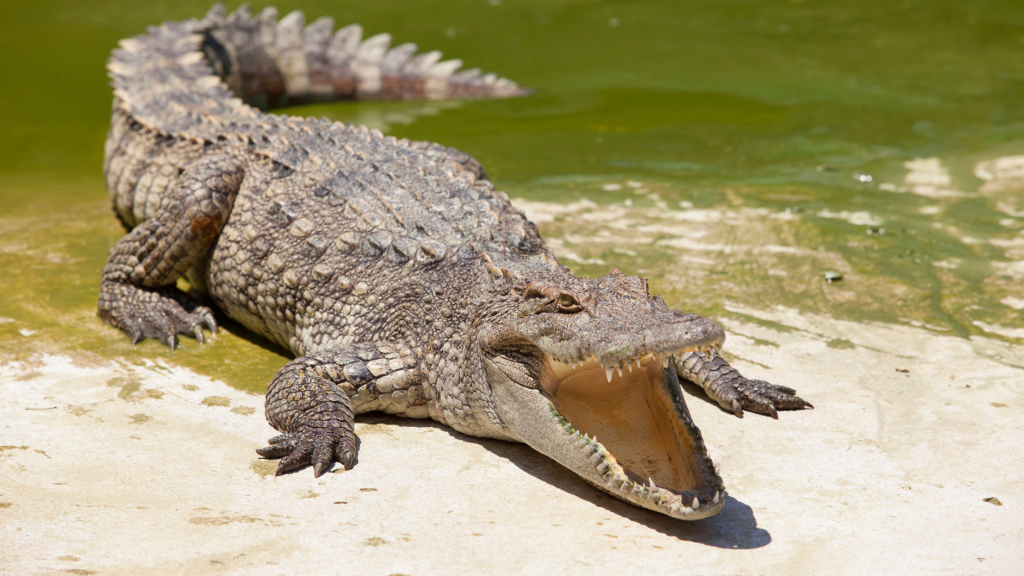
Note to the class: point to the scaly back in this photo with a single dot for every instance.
(180, 81)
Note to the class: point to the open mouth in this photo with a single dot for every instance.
(650, 453)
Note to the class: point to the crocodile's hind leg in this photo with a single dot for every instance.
(313, 400)
(734, 392)
(138, 294)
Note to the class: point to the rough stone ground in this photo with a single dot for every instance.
(109, 468)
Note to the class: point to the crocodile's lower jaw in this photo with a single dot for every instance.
(648, 452)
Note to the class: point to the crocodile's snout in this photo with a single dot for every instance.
(626, 431)
(604, 399)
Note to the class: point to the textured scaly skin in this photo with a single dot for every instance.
(393, 270)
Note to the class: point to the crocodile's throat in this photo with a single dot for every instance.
(645, 445)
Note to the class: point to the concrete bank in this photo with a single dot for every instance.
(912, 463)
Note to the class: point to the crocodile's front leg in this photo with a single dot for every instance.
(313, 400)
(138, 294)
(731, 390)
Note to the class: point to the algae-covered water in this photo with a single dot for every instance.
(859, 160)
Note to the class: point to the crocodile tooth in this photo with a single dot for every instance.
(630, 366)
(651, 480)
(619, 367)
(664, 361)
(715, 501)
(711, 352)
(637, 364)
(608, 373)
(696, 503)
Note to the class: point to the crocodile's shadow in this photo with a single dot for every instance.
(734, 528)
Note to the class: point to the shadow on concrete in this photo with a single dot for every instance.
(226, 323)
(735, 527)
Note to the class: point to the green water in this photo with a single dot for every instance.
(734, 152)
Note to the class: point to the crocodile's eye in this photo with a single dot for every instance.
(544, 298)
(567, 304)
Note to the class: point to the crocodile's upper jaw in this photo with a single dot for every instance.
(629, 434)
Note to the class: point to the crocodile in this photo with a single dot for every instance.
(393, 270)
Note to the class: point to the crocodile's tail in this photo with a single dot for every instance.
(269, 63)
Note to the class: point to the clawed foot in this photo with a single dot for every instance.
(147, 313)
(761, 397)
(311, 446)
(734, 392)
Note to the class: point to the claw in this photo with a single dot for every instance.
(275, 451)
(737, 408)
(198, 331)
(210, 323)
(297, 459)
(172, 341)
(771, 410)
(345, 455)
(318, 469)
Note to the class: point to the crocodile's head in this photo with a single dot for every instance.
(580, 370)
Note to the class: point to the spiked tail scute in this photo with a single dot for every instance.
(271, 62)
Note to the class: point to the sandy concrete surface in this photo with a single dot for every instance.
(109, 468)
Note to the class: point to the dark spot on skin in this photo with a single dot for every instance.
(205, 228)
(357, 373)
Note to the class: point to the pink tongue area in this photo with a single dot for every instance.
(630, 419)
